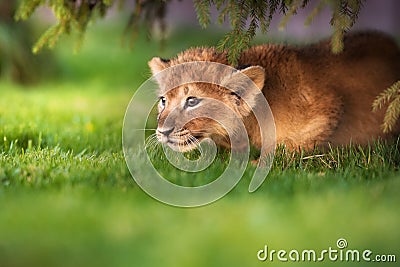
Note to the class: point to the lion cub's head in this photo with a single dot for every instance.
(192, 111)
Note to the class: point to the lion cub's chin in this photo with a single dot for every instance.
(181, 148)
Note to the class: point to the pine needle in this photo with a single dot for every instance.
(390, 95)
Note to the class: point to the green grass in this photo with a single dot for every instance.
(67, 198)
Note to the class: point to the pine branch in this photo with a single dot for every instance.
(27, 8)
(393, 111)
(316, 10)
(273, 7)
(74, 16)
(202, 8)
(222, 12)
(386, 96)
(344, 15)
(245, 17)
(49, 38)
(70, 14)
(295, 5)
(239, 37)
(392, 114)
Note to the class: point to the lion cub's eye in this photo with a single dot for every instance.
(192, 101)
(162, 101)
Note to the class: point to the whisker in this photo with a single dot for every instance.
(151, 142)
(186, 143)
(189, 141)
(193, 140)
(150, 137)
(181, 146)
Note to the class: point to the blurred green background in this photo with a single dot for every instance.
(67, 199)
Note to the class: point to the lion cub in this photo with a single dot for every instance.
(316, 97)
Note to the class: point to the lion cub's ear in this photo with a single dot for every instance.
(240, 84)
(158, 64)
(243, 88)
(256, 74)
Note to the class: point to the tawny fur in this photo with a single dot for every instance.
(316, 97)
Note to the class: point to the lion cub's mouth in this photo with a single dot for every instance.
(182, 140)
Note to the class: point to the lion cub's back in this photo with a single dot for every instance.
(369, 64)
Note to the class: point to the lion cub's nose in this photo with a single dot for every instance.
(166, 132)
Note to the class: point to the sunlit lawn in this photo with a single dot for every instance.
(67, 198)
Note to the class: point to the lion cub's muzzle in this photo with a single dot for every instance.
(180, 140)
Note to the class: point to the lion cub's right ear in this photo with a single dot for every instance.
(158, 64)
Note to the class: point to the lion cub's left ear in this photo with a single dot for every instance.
(242, 82)
(158, 64)
(256, 74)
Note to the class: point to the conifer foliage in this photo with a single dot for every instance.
(247, 16)
(244, 16)
(73, 16)
(392, 96)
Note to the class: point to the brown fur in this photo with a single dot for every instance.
(316, 97)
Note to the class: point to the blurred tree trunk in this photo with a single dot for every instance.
(17, 61)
